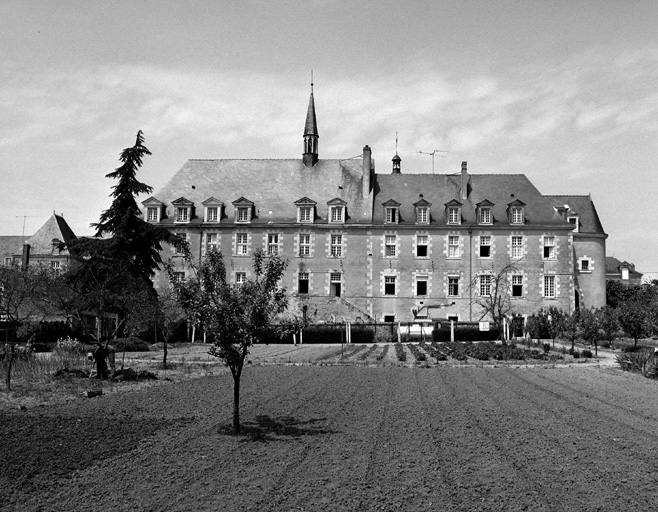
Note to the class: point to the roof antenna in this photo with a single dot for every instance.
(433, 153)
(396, 143)
(311, 80)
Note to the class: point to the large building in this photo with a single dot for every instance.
(385, 246)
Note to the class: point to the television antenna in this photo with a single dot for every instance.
(433, 154)
(25, 217)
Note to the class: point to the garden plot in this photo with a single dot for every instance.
(345, 437)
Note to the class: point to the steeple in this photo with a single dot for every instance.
(310, 155)
(396, 158)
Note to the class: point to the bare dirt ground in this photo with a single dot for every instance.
(343, 437)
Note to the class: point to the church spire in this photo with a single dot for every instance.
(310, 155)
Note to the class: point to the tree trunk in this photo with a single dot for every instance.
(164, 353)
(236, 403)
(10, 362)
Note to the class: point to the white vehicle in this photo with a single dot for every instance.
(419, 329)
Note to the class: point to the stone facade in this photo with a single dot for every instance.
(363, 245)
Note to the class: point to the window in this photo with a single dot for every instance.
(516, 215)
(185, 237)
(243, 214)
(390, 245)
(485, 246)
(517, 247)
(389, 285)
(242, 244)
(453, 246)
(485, 285)
(625, 273)
(8, 260)
(302, 282)
(179, 277)
(453, 215)
(240, 278)
(391, 215)
(336, 213)
(212, 214)
(212, 241)
(389, 319)
(334, 284)
(273, 244)
(453, 286)
(182, 214)
(421, 285)
(336, 246)
(305, 213)
(152, 214)
(549, 287)
(55, 266)
(585, 266)
(422, 246)
(549, 247)
(422, 215)
(485, 216)
(517, 286)
(304, 244)
(574, 220)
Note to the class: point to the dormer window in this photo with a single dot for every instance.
(422, 212)
(516, 212)
(305, 210)
(213, 210)
(485, 212)
(243, 210)
(182, 210)
(454, 212)
(391, 211)
(152, 209)
(573, 219)
(337, 211)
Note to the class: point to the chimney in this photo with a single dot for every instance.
(367, 163)
(25, 259)
(464, 184)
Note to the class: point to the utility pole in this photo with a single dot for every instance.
(433, 154)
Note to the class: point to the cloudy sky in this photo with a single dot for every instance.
(562, 91)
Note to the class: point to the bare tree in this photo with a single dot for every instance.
(493, 294)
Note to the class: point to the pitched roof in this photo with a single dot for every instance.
(311, 126)
(440, 189)
(273, 186)
(613, 266)
(584, 207)
(55, 227)
(11, 245)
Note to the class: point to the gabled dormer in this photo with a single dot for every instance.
(516, 212)
(574, 218)
(152, 209)
(244, 210)
(422, 210)
(183, 210)
(391, 212)
(337, 211)
(453, 212)
(212, 210)
(484, 212)
(305, 210)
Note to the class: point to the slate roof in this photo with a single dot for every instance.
(273, 186)
(584, 207)
(440, 189)
(612, 266)
(54, 227)
(11, 245)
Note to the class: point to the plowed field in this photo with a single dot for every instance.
(345, 438)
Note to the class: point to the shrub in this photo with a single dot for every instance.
(131, 344)
(643, 362)
(546, 347)
(587, 353)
